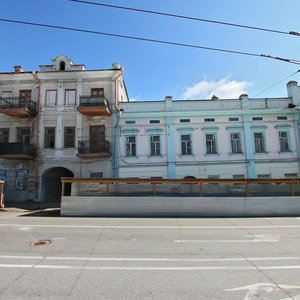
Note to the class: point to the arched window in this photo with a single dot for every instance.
(62, 66)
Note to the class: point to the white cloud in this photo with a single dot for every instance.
(224, 88)
(138, 98)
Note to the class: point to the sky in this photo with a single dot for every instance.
(153, 71)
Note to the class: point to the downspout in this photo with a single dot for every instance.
(115, 134)
(118, 109)
(34, 74)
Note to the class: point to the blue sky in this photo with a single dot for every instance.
(153, 71)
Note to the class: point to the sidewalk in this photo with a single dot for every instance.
(28, 206)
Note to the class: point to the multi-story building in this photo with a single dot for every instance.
(65, 121)
(56, 122)
(217, 138)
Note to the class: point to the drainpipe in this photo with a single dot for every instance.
(115, 134)
(34, 74)
(118, 109)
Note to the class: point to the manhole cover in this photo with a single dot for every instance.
(40, 243)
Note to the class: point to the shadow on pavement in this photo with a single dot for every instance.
(43, 213)
(33, 209)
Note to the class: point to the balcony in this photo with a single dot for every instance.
(93, 106)
(16, 107)
(91, 149)
(17, 151)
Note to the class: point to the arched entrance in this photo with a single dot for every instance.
(51, 184)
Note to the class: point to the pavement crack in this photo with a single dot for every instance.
(267, 276)
(180, 236)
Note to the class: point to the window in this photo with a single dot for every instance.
(6, 94)
(96, 175)
(211, 143)
(235, 140)
(291, 175)
(209, 119)
(62, 66)
(4, 135)
(257, 119)
(70, 97)
(282, 118)
(155, 145)
(23, 135)
(25, 95)
(154, 121)
(259, 142)
(97, 92)
(97, 142)
(69, 137)
(130, 145)
(49, 138)
(263, 176)
(51, 98)
(186, 144)
(234, 119)
(130, 122)
(238, 176)
(185, 120)
(283, 141)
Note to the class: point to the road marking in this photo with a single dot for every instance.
(145, 268)
(21, 257)
(149, 259)
(151, 227)
(255, 290)
(258, 238)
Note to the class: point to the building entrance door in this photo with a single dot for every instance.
(97, 138)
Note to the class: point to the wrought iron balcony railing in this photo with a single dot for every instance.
(13, 150)
(88, 148)
(7, 105)
(93, 106)
(90, 101)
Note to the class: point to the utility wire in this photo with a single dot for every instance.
(185, 17)
(268, 88)
(292, 61)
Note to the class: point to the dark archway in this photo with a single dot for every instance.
(62, 66)
(189, 177)
(51, 184)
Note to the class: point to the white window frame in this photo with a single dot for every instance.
(259, 144)
(156, 145)
(236, 143)
(130, 146)
(186, 145)
(70, 97)
(51, 98)
(211, 145)
(284, 141)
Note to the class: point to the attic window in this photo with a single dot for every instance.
(62, 66)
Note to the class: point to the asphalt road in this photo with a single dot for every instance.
(110, 258)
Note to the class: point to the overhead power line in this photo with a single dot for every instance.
(268, 88)
(292, 61)
(294, 33)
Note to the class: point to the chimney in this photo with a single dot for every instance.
(168, 102)
(116, 66)
(294, 92)
(243, 97)
(19, 69)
